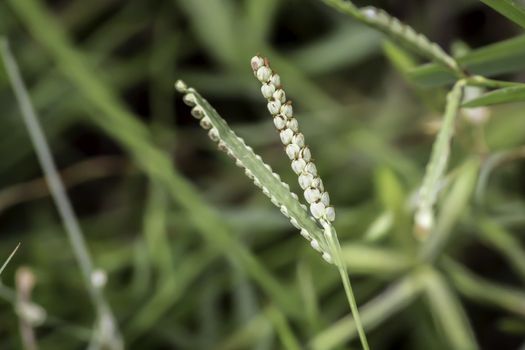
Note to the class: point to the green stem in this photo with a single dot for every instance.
(333, 242)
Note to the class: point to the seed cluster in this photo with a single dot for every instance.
(199, 113)
(293, 140)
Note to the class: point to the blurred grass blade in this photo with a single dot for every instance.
(348, 45)
(376, 311)
(453, 206)
(9, 258)
(283, 330)
(505, 95)
(126, 129)
(437, 165)
(448, 312)
(484, 291)
(506, 56)
(374, 260)
(107, 332)
(508, 8)
(215, 24)
(508, 245)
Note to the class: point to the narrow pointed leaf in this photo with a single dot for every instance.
(503, 57)
(508, 8)
(505, 95)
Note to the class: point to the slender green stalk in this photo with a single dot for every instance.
(9, 258)
(107, 332)
(437, 164)
(333, 241)
(394, 298)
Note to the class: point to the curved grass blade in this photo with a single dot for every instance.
(508, 8)
(400, 32)
(505, 95)
(506, 56)
(448, 311)
(261, 173)
(378, 310)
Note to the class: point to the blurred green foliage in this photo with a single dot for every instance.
(196, 256)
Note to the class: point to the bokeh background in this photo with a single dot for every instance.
(174, 283)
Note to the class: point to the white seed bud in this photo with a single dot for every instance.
(298, 166)
(181, 86)
(267, 90)
(305, 154)
(279, 122)
(287, 110)
(286, 136)
(275, 201)
(284, 211)
(295, 223)
(276, 176)
(256, 182)
(293, 124)
(305, 180)
(312, 195)
(315, 245)
(276, 80)
(317, 183)
(280, 95)
(189, 99)
(205, 123)
(425, 219)
(248, 173)
(330, 213)
(294, 195)
(317, 209)
(223, 147)
(265, 191)
(292, 151)
(310, 168)
(370, 12)
(328, 258)
(99, 278)
(263, 74)
(273, 107)
(197, 112)
(239, 163)
(268, 167)
(305, 234)
(298, 139)
(325, 198)
(257, 62)
(214, 134)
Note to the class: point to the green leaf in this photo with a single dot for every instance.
(448, 312)
(505, 95)
(509, 9)
(503, 57)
